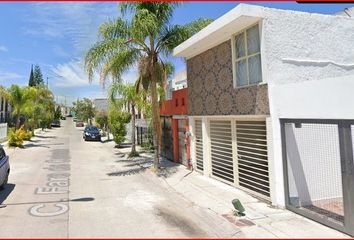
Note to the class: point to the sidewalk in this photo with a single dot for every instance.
(261, 221)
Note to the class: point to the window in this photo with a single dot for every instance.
(247, 55)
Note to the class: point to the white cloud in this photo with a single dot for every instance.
(71, 74)
(77, 20)
(3, 49)
(59, 51)
(5, 77)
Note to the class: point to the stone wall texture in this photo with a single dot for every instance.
(211, 90)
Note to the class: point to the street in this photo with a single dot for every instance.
(61, 186)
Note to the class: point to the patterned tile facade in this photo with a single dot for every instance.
(211, 91)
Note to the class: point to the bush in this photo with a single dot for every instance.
(16, 137)
(117, 121)
(28, 135)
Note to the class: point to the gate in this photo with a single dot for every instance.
(167, 138)
(182, 146)
(199, 145)
(318, 170)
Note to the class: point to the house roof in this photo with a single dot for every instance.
(221, 30)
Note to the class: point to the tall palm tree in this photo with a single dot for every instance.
(141, 41)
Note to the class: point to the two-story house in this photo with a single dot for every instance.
(270, 108)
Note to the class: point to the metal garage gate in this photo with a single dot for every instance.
(318, 167)
(167, 138)
(198, 145)
(252, 152)
(221, 150)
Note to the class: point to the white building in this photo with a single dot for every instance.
(270, 105)
(178, 82)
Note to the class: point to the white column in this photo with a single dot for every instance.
(206, 148)
(192, 141)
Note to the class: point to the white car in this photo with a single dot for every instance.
(4, 168)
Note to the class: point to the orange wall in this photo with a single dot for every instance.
(178, 105)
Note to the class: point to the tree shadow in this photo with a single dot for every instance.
(128, 172)
(45, 137)
(167, 168)
(8, 188)
(31, 145)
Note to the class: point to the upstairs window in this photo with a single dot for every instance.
(247, 57)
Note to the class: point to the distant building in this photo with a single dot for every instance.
(101, 104)
(178, 82)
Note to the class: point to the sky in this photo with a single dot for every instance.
(56, 35)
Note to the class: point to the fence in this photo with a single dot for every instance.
(318, 166)
(3, 131)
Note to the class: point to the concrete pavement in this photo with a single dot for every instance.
(61, 186)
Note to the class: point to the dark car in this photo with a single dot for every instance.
(55, 123)
(4, 168)
(63, 118)
(92, 133)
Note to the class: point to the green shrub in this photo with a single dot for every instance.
(16, 137)
(28, 135)
(117, 121)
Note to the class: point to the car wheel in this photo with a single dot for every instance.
(5, 182)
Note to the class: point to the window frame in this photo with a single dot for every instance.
(233, 49)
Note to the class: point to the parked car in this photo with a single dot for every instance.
(4, 168)
(63, 118)
(74, 119)
(55, 123)
(69, 115)
(79, 123)
(92, 133)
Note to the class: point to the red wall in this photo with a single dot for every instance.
(178, 105)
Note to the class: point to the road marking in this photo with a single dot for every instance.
(61, 209)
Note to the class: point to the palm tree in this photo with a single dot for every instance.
(19, 98)
(126, 95)
(141, 41)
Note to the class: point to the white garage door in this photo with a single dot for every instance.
(221, 150)
(252, 155)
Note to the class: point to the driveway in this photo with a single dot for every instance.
(61, 186)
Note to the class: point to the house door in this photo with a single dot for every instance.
(167, 138)
(318, 167)
(182, 145)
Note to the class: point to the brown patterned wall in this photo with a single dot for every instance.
(211, 90)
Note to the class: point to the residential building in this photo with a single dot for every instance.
(269, 109)
(175, 128)
(101, 104)
(178, 82)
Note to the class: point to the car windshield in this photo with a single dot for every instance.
(92, 129)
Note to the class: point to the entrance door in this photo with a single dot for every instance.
(182, 146)
(318, 164)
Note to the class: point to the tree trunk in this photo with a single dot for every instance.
(17, 120)
(133, 151)
(156, 122)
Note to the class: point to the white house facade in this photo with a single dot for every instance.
(270, 95)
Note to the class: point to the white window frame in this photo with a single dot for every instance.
(233, 49)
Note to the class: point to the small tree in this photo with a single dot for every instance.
(117, 121)
(84, 109)
(101, 118)
(57, 114)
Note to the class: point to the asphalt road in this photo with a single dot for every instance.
(61, 186)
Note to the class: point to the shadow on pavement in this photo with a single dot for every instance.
(45, 137)
(127, 172)
(83, 199)
(6, 191)
(31, 145)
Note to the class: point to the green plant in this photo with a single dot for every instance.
(117, 121)
(28, 135)
(16, 137)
